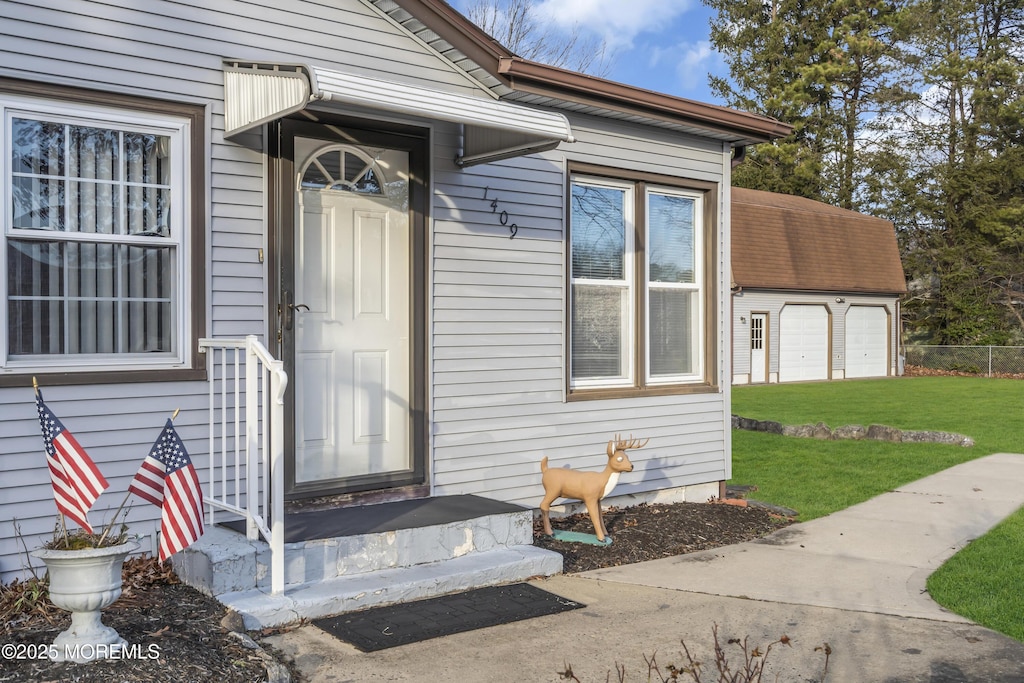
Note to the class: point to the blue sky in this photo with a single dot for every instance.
(660, 45)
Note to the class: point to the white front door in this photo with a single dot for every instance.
(867, 341)
(758, 348)
(351, 314)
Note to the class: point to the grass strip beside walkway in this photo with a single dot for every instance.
(820, 477)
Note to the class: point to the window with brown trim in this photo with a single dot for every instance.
(639, 284)
(99, 236)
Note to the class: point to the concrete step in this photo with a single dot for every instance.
(324, 559)
(260, 609)
(388, 553)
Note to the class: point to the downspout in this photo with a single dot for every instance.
(901, 346)
(739, 154)
(736, 156)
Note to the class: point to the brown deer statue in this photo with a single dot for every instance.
(590, 487)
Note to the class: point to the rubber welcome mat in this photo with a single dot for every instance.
(382, 627)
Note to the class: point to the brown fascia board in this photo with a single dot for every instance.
(540, 79)
(460, 32)
(784, 289)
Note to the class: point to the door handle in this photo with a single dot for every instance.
(288, 310)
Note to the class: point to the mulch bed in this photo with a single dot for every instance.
(650, 532)
(921, 371)
(192, 644)
(177, 630)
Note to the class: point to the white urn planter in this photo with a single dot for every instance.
(83, 582)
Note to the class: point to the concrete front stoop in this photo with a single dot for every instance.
(343, 574)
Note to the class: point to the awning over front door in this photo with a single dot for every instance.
(257, 93)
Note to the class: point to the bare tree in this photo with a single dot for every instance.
(518, 25)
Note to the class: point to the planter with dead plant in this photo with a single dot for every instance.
(85, 577)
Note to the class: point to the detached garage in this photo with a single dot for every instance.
(815, 291)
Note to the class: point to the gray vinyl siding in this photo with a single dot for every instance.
(618, 145)
(174, 51)
(499, 306)
(772, 303)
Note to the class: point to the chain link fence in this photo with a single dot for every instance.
(976, 360)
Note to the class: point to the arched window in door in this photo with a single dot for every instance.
(343, 168)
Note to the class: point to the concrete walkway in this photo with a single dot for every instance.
(854, 579)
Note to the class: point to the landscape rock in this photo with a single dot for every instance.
(799, 431)
(745, 423)
(233, 622)
(773, 509)
(854, 432)
(822, 431)
(928, 436)
(884, 433)
(769, 426)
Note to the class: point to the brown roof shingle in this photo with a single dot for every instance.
(792, 243)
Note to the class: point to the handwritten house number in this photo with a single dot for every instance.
(503, 216)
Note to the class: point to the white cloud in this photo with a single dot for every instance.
(617, 21)
(695, 62)
(691, 62)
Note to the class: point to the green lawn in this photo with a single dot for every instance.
(820, 477)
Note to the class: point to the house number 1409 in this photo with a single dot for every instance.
(503, 216)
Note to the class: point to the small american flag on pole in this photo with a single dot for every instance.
(168, 480)
(77, 482)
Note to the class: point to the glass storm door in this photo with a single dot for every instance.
(351, 316)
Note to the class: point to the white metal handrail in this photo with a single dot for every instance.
(252, 402)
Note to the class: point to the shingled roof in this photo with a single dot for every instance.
(792, 243)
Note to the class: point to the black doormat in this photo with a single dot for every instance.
(382, 627)
(369, 519)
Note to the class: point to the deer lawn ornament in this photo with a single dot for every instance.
(590, 487)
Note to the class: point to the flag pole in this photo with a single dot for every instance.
(127, 496)
(64, 529)
(60, 515)
(113, 519)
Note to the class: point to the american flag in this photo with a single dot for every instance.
(168, 480)
(77, 482)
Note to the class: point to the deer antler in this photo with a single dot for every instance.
(631, 444)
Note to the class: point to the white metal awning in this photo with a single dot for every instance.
(257, 93)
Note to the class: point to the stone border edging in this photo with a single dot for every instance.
(853, 432)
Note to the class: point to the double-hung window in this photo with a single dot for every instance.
(639, 285)
(98, 238)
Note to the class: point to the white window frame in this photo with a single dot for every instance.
(178, 130)
(628, 283)
(697, 316)
(638, 190)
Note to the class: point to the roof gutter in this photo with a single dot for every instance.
(526, 76)
(541, 79)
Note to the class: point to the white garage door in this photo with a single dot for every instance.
(803, 343)
(867, 341)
